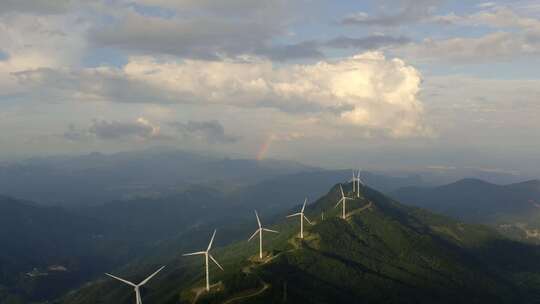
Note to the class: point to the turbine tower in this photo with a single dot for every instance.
(354, 180)
(343, 201)
(302, 217)
(207, 256)
(136, 287)
(260, 232)
(359, 181)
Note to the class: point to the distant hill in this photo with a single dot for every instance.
(384, 252)
(513, 209)
(46, 250)
(98, 178)
(475, 200)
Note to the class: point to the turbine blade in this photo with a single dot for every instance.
(341, 188)
(296, 214)
(151, 276)
(254, 234)
(305, 217)
(339, 202)
(304, 207)
(194, 253)
(216, 262)
(211, 241)
(120, 279)
(258, 220)
(270, 230)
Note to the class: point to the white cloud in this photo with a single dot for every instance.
(366, 90)
(516, 35)
(500, 17)
(35, 41)
(493, 46)
(408, 11)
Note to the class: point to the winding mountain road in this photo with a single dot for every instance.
(250, 295)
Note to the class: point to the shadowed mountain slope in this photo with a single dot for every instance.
(384, 252)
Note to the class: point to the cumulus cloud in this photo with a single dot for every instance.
(207, 131)
(366, 90)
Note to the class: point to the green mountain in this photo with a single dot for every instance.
(514, 209)
(384, 252)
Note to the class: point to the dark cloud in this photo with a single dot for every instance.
(113, 130)
(75, 134)
(409, 11)
(367, 43)
(314, 49)
(229, 8)
(118, 130)
(201, 38)
(302, 50)
(109, 84)
(209, 131)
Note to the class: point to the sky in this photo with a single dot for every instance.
(377, 84)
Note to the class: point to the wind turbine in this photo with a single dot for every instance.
(207, 255)
(137, 287)
(302, 217)
(343, 201)
(260, 232)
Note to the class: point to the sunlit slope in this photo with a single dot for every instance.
(383, 252)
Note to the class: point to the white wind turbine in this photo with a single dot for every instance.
(137, 287)
(260, 232)
(302, 217)
(343, 201)
(207, 255)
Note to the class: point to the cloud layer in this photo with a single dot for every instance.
(366, 90)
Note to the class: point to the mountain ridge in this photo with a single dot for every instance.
(385, 252)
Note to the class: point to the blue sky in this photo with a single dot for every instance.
(379, 84)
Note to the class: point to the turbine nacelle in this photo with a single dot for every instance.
(136, 287)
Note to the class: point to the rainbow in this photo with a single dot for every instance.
(263, 150)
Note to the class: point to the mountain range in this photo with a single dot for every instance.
(514, 208)
(384, 252)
